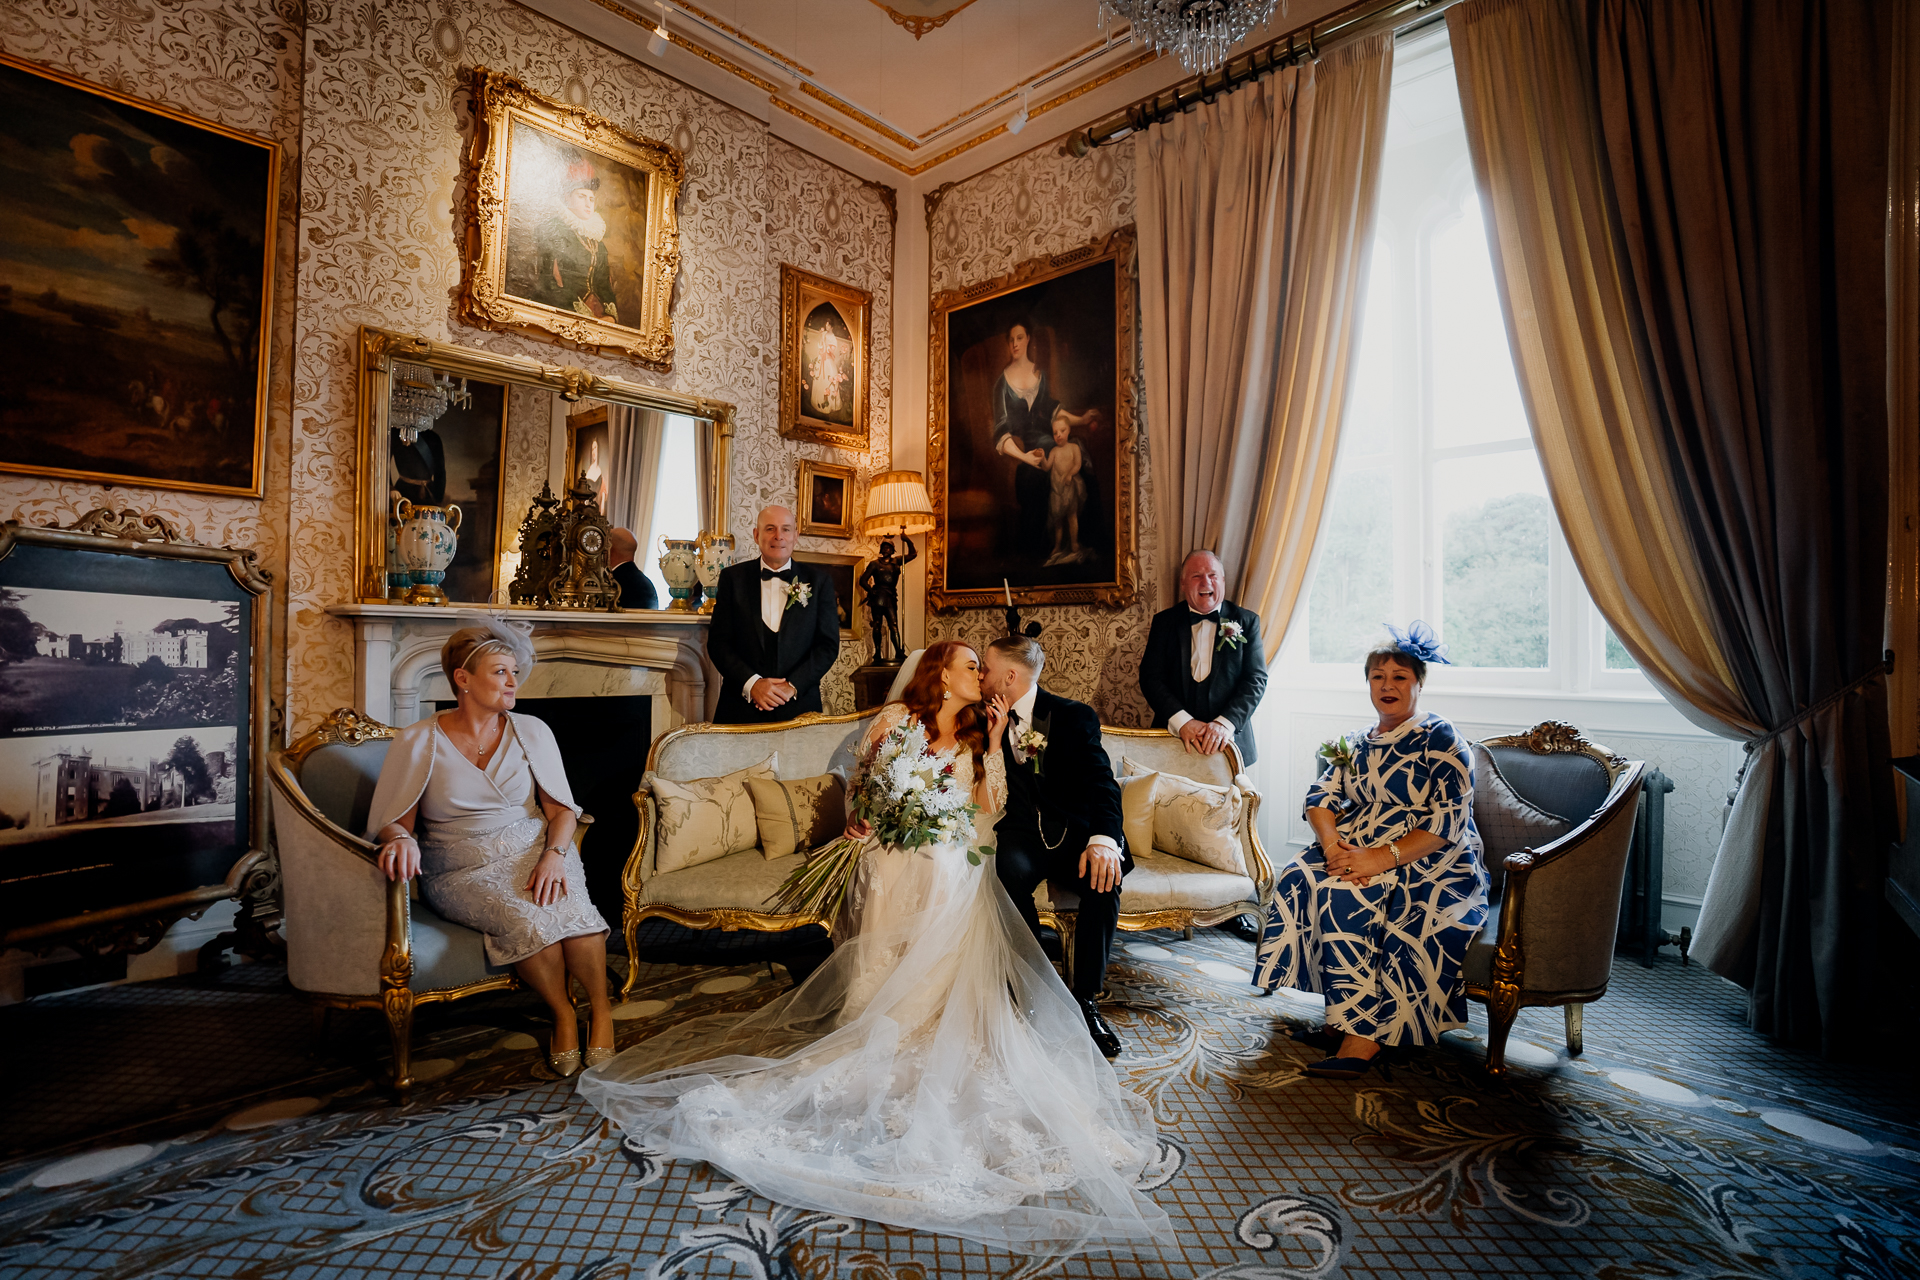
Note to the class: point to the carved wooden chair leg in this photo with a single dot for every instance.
(1575, 1015)
(1187, 931)
(1499, 1024)
(397, 1003)
(1067, 922)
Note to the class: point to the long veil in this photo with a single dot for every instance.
(933, 1074)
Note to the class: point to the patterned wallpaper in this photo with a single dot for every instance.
(375, 93)
(1039, 203)
(237, 63)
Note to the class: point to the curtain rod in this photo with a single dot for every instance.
(1362, 18)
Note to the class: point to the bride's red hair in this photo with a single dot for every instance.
(923, 700)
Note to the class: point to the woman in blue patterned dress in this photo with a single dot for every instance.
(1377, 915)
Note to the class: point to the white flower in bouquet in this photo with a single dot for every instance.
(910, 797)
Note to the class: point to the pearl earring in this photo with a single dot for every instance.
(945, 694)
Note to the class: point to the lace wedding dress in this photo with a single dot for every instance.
(933, 1074)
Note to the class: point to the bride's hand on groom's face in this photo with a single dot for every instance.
(996, 709)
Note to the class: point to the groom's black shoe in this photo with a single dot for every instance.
(1245, 928)
(1105, 1038)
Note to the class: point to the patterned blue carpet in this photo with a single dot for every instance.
(192, 1136)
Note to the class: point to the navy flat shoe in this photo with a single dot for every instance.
(1319, 1037)
(1342, 1068)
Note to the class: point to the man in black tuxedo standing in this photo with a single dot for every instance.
(1062, 820)
(1204, 672)
(775, 630)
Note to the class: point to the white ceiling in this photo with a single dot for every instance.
(911, 92)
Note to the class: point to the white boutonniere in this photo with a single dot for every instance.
(1229, 635)
(799, 593)
(1030, 744)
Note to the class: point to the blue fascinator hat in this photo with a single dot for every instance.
(1419, 641)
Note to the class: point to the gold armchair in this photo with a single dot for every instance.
(356, 940)
(1549, 939)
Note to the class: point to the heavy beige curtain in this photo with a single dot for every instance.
(1256, 217)
(634, 439)
(1535, 151)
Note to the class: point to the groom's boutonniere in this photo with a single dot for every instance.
(799, 593)
(1230, 635)
(1030, 744)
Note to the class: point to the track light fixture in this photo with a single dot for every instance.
(657, 44)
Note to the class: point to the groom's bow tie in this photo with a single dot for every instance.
(785, 575)
(1198, 618)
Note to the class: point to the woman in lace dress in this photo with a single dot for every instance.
(485, 792)
(935, 1073)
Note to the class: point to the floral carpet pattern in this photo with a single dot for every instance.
(1628, 1163)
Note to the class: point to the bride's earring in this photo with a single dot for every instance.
(945, 694)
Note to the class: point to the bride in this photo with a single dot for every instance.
(934, 1073)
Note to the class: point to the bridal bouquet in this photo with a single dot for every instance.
(910, 797)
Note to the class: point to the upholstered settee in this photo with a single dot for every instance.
(354, 938)
(1549, 938)
(731, 890)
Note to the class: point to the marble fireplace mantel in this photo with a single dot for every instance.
(657, 653)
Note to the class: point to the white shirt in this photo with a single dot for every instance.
(773, 608)
(1200, 663)
(1023, 707)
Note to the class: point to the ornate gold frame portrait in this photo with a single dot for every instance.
(825, 499)
(826, 330)
(571, 228)
(1030, 458)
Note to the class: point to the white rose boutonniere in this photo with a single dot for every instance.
(799, 593)
(1030, 744)
(1230, 635)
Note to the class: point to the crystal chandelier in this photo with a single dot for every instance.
(1201, 32)
(419, 399)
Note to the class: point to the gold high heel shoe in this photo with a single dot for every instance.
(564, 1064)
(597, 1055)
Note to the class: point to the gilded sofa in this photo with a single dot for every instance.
(731, 892)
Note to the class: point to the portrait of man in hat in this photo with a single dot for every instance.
(570, 269)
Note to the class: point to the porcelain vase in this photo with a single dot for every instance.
(424, 547)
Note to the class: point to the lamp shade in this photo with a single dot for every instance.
(897, 502)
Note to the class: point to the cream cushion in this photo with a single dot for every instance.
(737, 882)
(1161, 882)
(1136, 812)
(705, 818)
(1195, 821)
(797, 814)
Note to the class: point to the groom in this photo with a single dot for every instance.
(1062, 820)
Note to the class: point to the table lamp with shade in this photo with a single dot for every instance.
(897, 503)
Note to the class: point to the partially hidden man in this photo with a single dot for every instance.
(775, 631)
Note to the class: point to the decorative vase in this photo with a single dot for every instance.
(424, 547)
(678, 560)
(716, 553)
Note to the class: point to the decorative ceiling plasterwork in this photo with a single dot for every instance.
(887, 143)
(918, 23)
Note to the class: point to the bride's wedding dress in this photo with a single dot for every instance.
(934, 1073)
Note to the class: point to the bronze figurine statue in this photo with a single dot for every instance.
(881, 582)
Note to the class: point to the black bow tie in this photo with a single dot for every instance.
(785, 575)
(1213, 617)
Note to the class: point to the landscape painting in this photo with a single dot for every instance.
(136, 250)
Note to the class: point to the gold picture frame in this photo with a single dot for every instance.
(844, 569)
(533, 260)
(823, 388)
(123, 374)
(997, 516)
(826, 500)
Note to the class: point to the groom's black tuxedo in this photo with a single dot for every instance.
(1049, 818)
(740, 645)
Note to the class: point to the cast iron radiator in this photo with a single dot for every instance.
(1640, 933)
